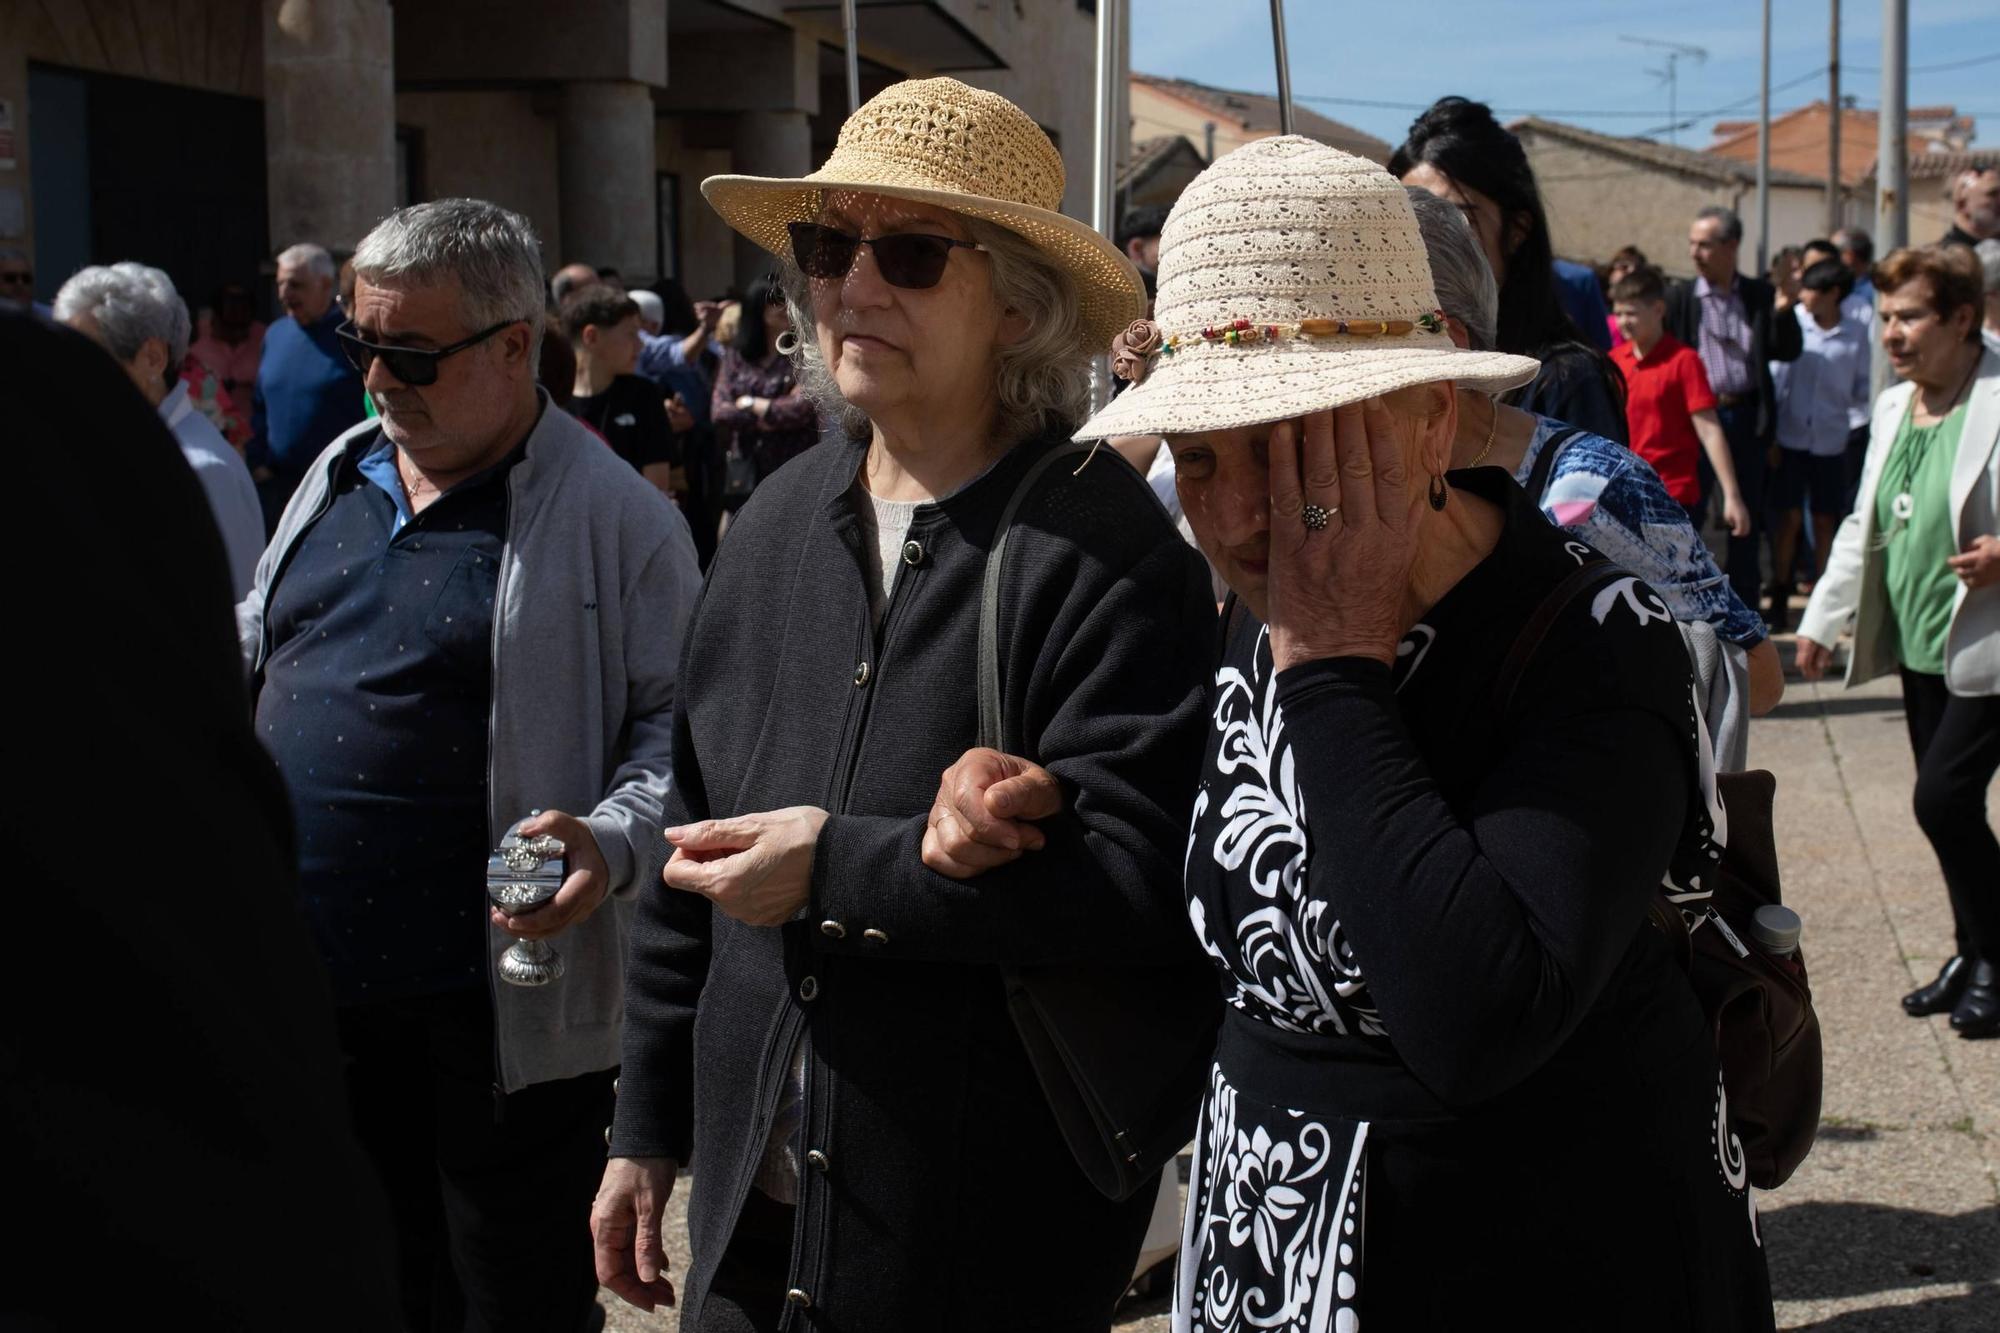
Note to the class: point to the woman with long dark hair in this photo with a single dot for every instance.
(1457, 151)
(757, 398)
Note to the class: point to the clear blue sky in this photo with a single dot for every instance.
(1563, 58)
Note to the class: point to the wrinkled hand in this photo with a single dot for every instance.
(678, 415)
(1736, 516)
(1979, 564)
(588, 883)
(1813, 659)
(1339, 592)
(756, 868)
(981, 818)
(625, 1224)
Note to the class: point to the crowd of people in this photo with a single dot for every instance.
(1391, 712)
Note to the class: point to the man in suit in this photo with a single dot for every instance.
(1738, 326)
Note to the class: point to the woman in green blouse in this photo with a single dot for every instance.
(1918, 566)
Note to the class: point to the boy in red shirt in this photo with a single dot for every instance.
(1669, 408)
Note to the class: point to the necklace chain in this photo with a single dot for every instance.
(1492, 431)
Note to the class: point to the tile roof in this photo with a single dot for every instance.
(1255, 111)
(1666, 157)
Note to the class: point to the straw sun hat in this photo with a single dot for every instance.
(1292, 279)
(939, 141)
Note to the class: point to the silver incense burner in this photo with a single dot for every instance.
(521, 875)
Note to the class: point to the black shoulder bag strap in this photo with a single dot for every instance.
(1122, 1053)
(1545, 464)
(992, 731)
(1529, 640)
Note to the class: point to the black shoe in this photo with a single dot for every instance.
(1978, 1011)
(1941, 996)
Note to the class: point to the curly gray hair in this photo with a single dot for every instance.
(1043, 379)
(131, 304)
(492, 253)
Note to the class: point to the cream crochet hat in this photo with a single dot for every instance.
(939, 141)
(1292, 280)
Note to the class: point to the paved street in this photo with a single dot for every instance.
(1893, 1224)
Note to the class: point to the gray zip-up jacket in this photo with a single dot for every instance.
(597, 576)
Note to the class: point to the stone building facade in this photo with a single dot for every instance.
(204, 135)
(1603, 192)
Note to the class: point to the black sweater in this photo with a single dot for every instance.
(943, 1165)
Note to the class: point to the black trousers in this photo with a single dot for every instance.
(491, 1194)
(1746, 554)
(1957, 743)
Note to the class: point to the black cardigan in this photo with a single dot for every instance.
(940, 1193)
(1774, 336)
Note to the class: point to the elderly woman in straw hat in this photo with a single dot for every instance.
(812, 1012)
(1452, 762)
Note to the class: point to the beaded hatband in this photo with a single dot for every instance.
(1132, 351)
(1244, 331)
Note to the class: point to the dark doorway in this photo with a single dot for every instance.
(172, 177)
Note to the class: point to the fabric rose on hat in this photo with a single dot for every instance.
(1132, 351)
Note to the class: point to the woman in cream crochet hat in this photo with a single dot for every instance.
(876, 1152)
(1459, 1074)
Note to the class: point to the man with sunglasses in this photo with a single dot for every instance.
(471, 612)
(306, 392)
(17, 282)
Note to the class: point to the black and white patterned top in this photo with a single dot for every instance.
(1428, 921)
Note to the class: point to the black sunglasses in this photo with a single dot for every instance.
(414, 366)
(907, 259)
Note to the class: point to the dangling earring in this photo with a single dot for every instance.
(1437, 491)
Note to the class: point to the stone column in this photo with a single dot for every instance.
(767, 143)
(605, 162)
(329, 119)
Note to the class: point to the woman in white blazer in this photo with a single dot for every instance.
(1917, 567)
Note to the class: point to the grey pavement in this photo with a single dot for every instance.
(1893, 1224)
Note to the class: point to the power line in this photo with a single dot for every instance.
(1933, 69)
(1622, 113)
(1596, 114)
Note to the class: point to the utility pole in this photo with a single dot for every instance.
(1892, 140)
(1284, 66)
(1671, 75)
(850, 27)
(1892, 203)
(1764, 151)
(1111, 77)
(1834, 115)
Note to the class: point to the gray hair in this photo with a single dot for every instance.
(1732, 226)
(131, 303)
(1989, 261)
(1043, 378)
(492, 253)
(314, 259)
(1459, 272)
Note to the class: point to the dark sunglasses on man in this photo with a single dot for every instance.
(414, 366)
(913, 260)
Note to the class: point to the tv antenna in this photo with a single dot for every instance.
(1671, 74)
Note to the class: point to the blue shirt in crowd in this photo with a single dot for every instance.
(1823, 392)
(306, 394)
(662, 361)
(1583, 302)
(374, 703)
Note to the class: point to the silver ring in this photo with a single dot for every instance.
(1315, 517)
